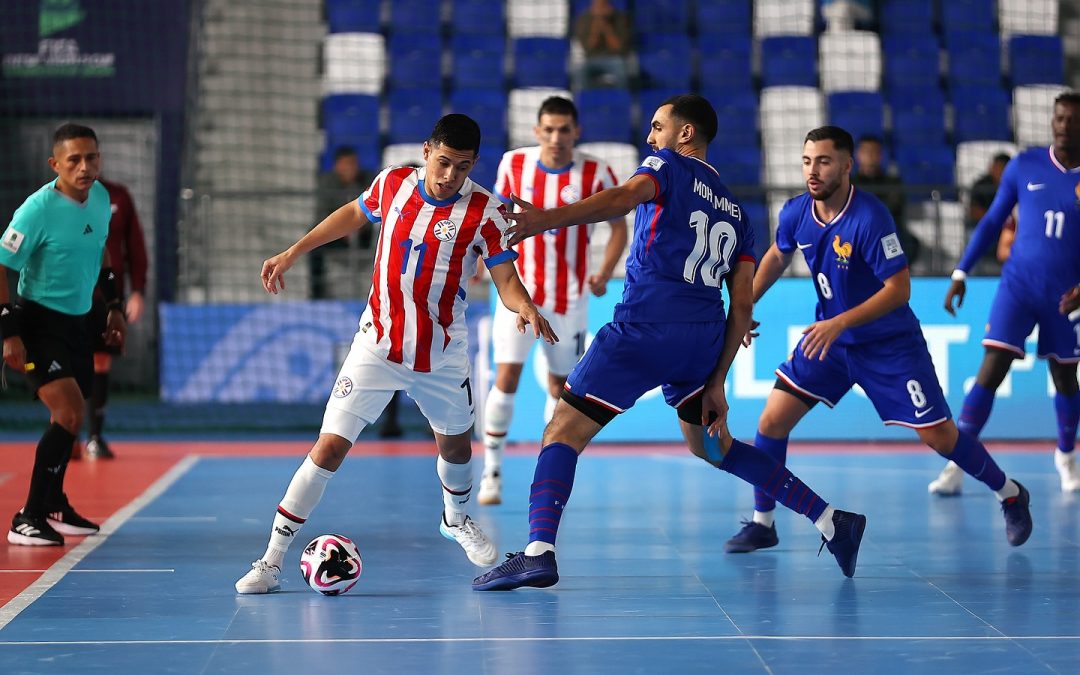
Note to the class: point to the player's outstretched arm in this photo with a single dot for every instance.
(612, 253)
(516, 298)
(772, 267)
(986, 233)
(714, 408)
(605, 205)
(820, 335)
(335, 226)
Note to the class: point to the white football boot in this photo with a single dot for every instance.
(490, 489)
(1067, 469)
(949, 483)
(480, 550)
(263, 578)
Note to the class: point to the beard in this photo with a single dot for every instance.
(825, 191)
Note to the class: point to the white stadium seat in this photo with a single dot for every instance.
(787, 113)
(529, 18)
(400, 154)
(623, 158)
(355, 63)
(850, 61)
(1028, 17)
(522, 118)
(1033, 107)
(784, 17)
(973, 159)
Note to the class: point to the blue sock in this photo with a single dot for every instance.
(777, 449)
(976, 410)
(971, 456)
(1068, 414)
(552, 482)
(762, 471)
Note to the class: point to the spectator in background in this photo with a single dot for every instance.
(872, 177)
(982, 195)
(604, 34)
(842, 15)
(342, 184)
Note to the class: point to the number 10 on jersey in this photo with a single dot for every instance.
(712, 250)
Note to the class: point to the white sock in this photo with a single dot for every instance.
(538, 548)
(765, 518)
(1009, 489)
(304, 492)
(549, 408)
(498, 411)
(824, 523)
(457, 487)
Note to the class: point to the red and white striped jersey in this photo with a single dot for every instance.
(428, 250)
(554, 265)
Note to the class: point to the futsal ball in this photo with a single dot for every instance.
(331, 564)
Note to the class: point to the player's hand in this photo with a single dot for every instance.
(957, 289)
(115, 328)
(15, 353)
(821, 335)
(714, 408)
(273, 272)
(528, 222)
(750, 333)
(530, 316)
(134, 307)
(1070, 301)
(598, 283)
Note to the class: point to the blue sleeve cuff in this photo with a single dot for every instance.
(505, 256)
(367, 212)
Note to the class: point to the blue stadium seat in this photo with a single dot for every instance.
(487, 107)
(541, 62)
(968, 15)
(478, 17)
(738, 164)
(487, 164)
(980, 114)
(926, 164)
(353, 16)
(604, 115)
(918, 116)
(368, 153)
(661, 17)
(579, 6)
(478, 60)
(906, 17)
(412, 114)
(415, 64)
(736, 113)
(665, 61)
(974, 58)
(1036, 59)
(861, 113)
(789, 60)
(911, 60)
(648, 101)
(414, 16)
(723, 17)
(726, 61)
(351, 118)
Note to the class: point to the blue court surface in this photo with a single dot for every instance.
(646, 586)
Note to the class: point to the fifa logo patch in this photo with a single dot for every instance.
(12, 240)
(343, 387)
(843, 251)
(444, 230)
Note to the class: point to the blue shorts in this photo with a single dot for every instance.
(625, 360)
(897, 375)
(1014, 314)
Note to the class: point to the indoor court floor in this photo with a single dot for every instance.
(645, 588)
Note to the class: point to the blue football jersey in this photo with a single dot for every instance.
(686, 240)
(849, 259)
(1045, 257)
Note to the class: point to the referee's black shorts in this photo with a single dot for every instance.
(57, 344)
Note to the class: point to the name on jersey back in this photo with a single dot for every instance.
(720, 203)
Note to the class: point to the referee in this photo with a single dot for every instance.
(56, 241)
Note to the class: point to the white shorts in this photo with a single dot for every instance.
(366, 382)
(513, 347)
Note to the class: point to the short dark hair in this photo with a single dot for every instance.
(457, 131)
(344, 151)
(1071, 96)
(697, 111)
(840, 137)
(558, 105)
(1001, 158)
(871, 138)
(69, 131)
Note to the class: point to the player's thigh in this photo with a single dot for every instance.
(1059, 338)
(619, 366)
(1012, 317)
(898, 377)
(696, 348)
(572, 329)
(445, 397)
(364, 386)
(508, 345)
(823, 380)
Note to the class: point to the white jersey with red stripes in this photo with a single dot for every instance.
(427, 252)
(554, 265)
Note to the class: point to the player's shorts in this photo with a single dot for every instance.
(98, 320)
(897, 375)
(625, 360)
(510, 346)
(1012, 317)
(57, 345)
(366, 383)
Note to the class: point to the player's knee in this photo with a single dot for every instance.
(995, 367)
(941, 438)
(71, 418)
(1064, 377)
(330, 451)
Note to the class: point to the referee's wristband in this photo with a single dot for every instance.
(959, 275)
(9, 326)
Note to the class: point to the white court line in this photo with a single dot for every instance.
(118, 570)
(175, 519)
(624, 638)
(72, 557)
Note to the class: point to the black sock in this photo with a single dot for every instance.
(99, 397)
(50, 464)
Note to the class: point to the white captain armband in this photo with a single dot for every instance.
(959, 275)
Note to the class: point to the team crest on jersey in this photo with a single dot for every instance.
(343, 387)
(444, 230)
(569, 194)
(843, 251)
